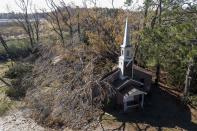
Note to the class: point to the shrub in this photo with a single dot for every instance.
(4, 106)
(5, 102)
(17, 73)
(17, 48)
(18, 70)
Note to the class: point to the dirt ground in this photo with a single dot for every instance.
(162, 112)
(14, 118)
(18, 121)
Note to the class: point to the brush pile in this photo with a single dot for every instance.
(66, 91)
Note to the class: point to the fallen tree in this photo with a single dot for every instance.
(67, 92)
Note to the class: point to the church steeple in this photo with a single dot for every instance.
(126, 58)
(126, 40)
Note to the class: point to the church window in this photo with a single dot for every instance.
(122, 52)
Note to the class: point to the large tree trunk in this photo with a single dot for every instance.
(160, 11)
(188, 79)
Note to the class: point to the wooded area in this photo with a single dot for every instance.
(71, 48)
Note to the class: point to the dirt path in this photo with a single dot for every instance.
(17, 120)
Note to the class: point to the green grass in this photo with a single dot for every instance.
(17, 70)
(5, 102)
(4, 107)
(14, 74)
(16, 47)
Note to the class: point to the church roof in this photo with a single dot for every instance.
(126, 41)
(134, 92)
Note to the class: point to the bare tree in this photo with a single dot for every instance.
(67, 17)
(30, 25)
(24, 19)
(94, 2)
(54, 18)
(112, 2)
(36, 24)
(78, 23)
(61, 17)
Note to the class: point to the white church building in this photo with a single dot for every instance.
(130, 81)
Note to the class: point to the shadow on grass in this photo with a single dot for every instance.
(161, 110)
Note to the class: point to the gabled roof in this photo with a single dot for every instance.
(131, 83)
(126, 41)
(134, 92)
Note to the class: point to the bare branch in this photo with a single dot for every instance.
(7, 84)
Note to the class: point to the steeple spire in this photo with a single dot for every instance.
(126, 58)
(126, 41)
